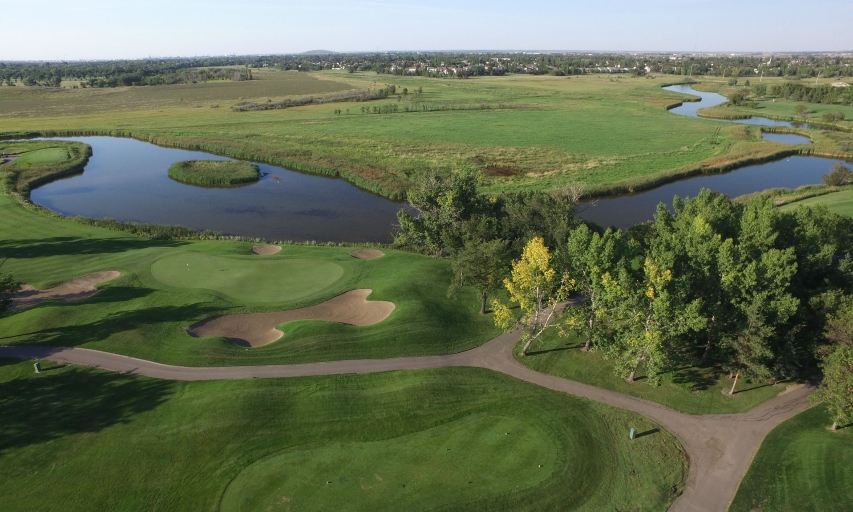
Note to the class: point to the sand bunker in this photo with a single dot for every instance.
(367, 254)
(78, 289)
(264, 250)
(258, 329)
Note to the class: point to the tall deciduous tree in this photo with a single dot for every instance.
(8, 288)
(537, 290)
(481, 264)
(837, 363)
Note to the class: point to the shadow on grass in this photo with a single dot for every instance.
(61, 246)
(556, 349)
(647, 433)
(114, 323)
(45, 407)
(697, 377)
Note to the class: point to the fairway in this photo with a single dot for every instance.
(395, 471)
(79, 439)
(837, 202)
(801, 466)
(248, 279)
(42, 157)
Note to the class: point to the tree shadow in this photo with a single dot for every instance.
(555, 349)
(114, 323)
(647, 433)
(698, 377)
(66, 245)
(42, 408)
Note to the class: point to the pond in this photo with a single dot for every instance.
(126, 180)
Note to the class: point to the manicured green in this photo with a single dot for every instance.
(696, 390)
(246, 278)
(80, 439)
(41, 157)
(214, 173)
(523, 132)
(144, 312)
(837, 202)
(800, 466)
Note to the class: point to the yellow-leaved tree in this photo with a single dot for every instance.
(534, 286)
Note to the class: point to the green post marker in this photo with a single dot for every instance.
(37, 367)
(633, 434)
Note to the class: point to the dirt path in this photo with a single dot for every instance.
(720, 447)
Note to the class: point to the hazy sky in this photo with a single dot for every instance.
(105, 29)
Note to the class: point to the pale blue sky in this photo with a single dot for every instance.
(104, 29)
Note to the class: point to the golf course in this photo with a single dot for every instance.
(157, 367)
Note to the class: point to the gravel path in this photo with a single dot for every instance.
(720, 447)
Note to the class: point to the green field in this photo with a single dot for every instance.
(144, 312)
(460, 439)
(801, 466)
(522, 132)
(41, 157)
(214, 173)
(694, 390)
(837, 202)
(247, 280)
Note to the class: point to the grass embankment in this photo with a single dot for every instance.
(696, 390)
(144, 312)
(461, 439)
(522, 132)
(214, 173)
(800, 466)
(38, 162)
(840, 202)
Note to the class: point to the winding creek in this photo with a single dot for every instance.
(126, 180)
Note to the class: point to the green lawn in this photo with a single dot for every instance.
(249, 279)
(801, 466)
(540, 132)
(446, 439)
(144, 312)
(41, 157)
(837, 202)
(690, 390)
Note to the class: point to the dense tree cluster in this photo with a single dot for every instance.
(744, 287)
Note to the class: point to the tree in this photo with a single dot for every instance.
(537, 291)
(732, 81)
(802, 111)
(8, 288)
(837, 364)
(839, 176)
(588, 257)
(481, 264)
(759, 90)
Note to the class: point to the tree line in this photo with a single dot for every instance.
(747, 288)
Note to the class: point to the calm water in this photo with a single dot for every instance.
(625, 211)
(712, 99)
(126, 180)
(786, 138)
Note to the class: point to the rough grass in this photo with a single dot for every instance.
(695, 390)
(607, 134)
(214, 173)
(139, 315)
(80, 439)
(838, 202)
(800, 466)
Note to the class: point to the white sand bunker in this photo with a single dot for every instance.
(367, 254)
(264, 250)
(258, 329)
(78, 289)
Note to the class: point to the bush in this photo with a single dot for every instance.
(840, 175)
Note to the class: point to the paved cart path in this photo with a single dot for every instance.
(720, 446)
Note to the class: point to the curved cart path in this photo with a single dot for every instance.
(720, 446)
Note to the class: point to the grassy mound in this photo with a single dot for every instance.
(800, 466)
(41, 161)
(214, 173)
(82, 439)
(246, 279)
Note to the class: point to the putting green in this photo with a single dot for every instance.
(247, 279)
(464, 460)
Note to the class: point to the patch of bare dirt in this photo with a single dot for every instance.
(258, 329)
(78, 289)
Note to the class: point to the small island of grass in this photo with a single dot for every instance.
(214, 173)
